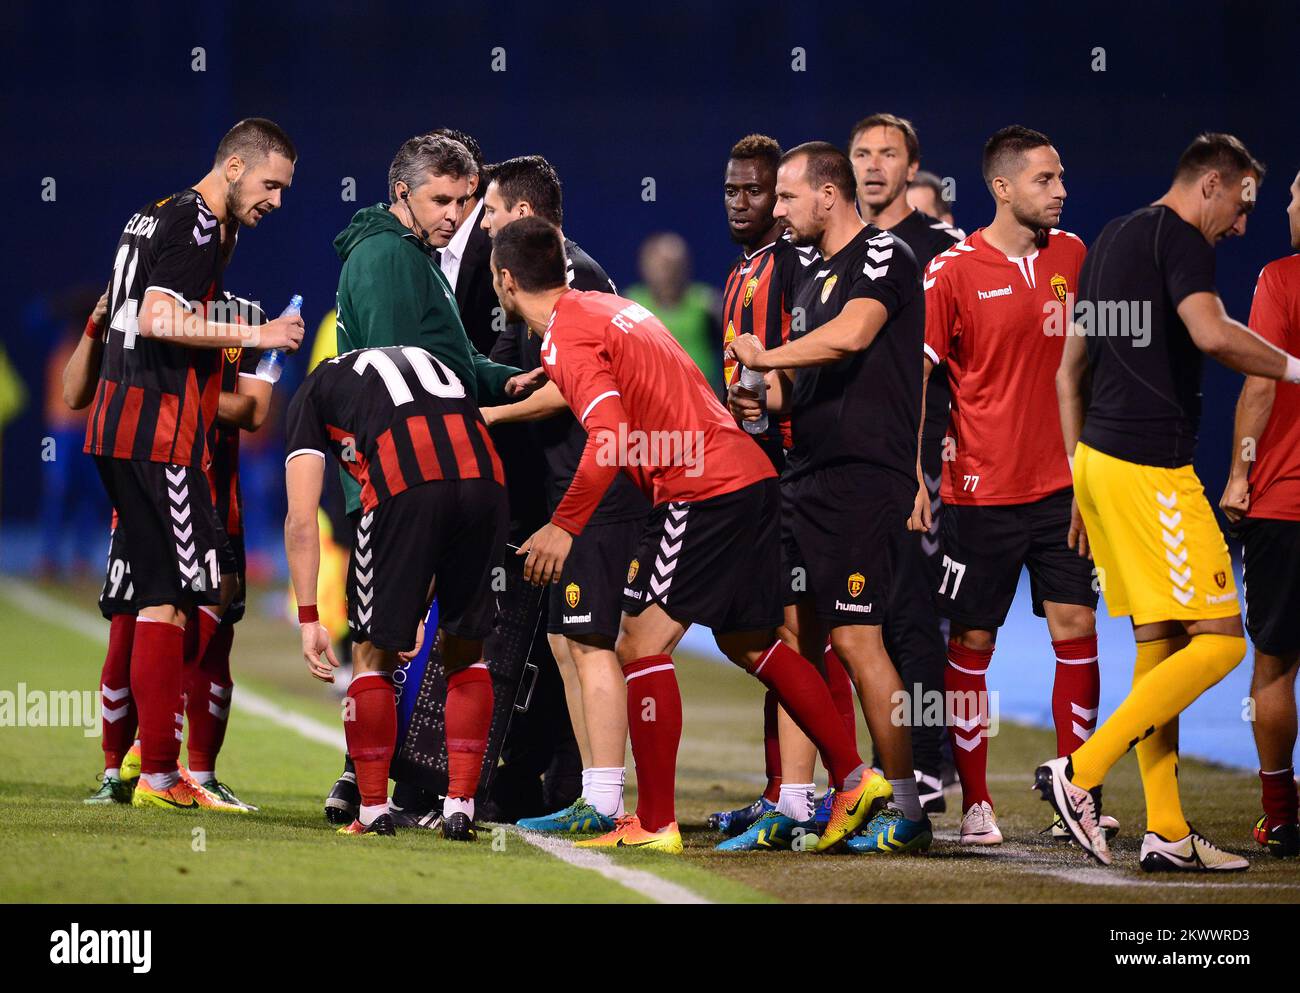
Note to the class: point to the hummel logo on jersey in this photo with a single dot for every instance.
(1005, 291)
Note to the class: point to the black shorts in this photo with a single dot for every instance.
(794, 575)
(984, 549)
(848, 523)
(712, 561)
(449, 535)
(589, 596)
(1270, 551)
(117, 595)
(167, 532)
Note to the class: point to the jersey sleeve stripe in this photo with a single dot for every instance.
(303, 451)
(591, 406)
(171, 293)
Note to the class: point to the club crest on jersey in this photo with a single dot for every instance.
(232, 355)
(572, 594)
(1221, 579)
(633, 568)
(857, 583)
(750, 287)
(1060, 287)
(827, 287)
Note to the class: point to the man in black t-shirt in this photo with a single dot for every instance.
(585, 606)
(886, 155)
(852, 488)
(1147, 308)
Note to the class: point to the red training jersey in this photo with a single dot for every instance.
(1275, 316)
(646, 407)
(999, 323)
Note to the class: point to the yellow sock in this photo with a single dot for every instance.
(1157, 755)
(1157, 698)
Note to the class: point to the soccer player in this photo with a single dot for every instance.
(759, 300)
(1007, 506)
(157, 398)
(583, 611)
(886, 154)
(851, 382)
(245, 401)
(704, 556)
(403, 423)
(1146, 310)
(1263, 498)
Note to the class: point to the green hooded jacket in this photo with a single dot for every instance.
(392, 292)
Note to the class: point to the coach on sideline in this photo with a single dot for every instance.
(393, 292)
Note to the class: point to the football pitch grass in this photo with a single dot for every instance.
(280, 754)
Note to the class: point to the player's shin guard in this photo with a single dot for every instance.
(371, 733)
(654, 723)
(842, 693)
(207, 700)
(116, 703)
(967, 697)
(1075, 692)
(804, 694)
(469, 718)
(1155, 700)
(157, 654)
(771, 749)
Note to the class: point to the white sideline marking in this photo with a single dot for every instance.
(94, 627)
(638, 880)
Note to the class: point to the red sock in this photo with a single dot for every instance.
(803, 693)
(199, 629)
(469, 718)
(771, 749)
(207, 700)
(1279, 797)
(842, 692)
(968, 717)
(116, 703)
(654, 723)
(371, 734)
(157, 663)
(1075, 692)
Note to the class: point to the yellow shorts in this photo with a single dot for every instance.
(1159, 553)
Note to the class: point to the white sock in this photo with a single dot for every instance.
(368, 814)
(586, 783)
(161, 780)
(905, 798)
(605, 789)
(204, 777)
(458, 805)
(796, 801)
(114, 773)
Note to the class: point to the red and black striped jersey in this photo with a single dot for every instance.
(759, 300)
(223, 472)
(156, 399)
(394, 418)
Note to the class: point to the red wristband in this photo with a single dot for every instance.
(92, 329)
(307, 614)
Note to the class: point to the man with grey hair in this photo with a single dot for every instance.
(392, 291)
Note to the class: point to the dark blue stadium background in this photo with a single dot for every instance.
(102, 98)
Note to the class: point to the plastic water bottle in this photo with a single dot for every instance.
(753, 381)
(272, 363)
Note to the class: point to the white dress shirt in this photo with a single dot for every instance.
(449, 259)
